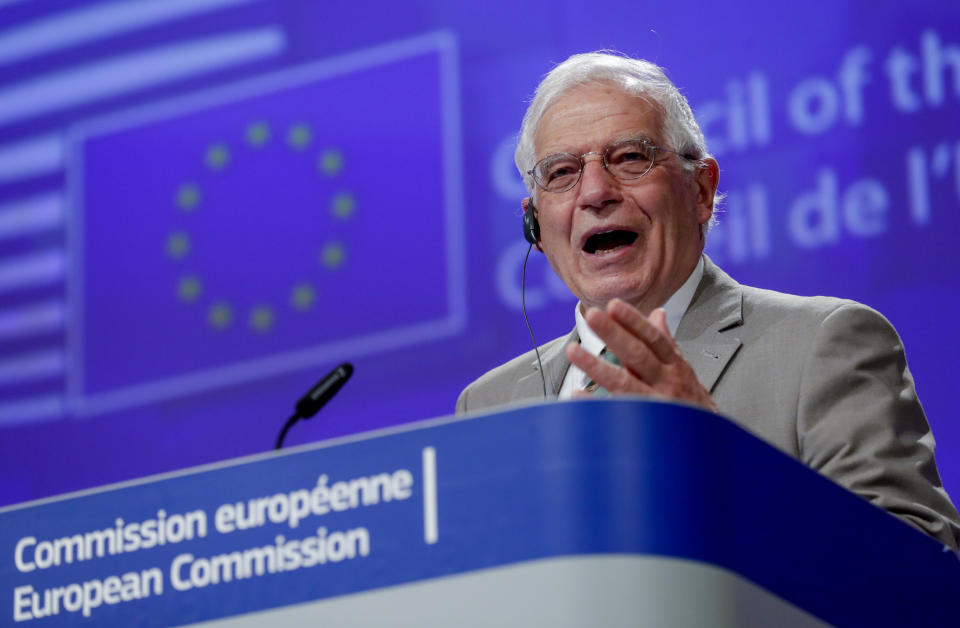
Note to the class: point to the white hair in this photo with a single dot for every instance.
(635, 76)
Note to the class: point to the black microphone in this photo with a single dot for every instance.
(322, 392)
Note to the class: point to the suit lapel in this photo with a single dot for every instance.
(555, 365)
(707, 333)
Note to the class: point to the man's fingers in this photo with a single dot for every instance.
(657, 337)
(632, 352)
(651, 360)
(675, 380)
(610, 376)
(658, 318)
(636, 353)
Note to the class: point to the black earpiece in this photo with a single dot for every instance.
(531, 227)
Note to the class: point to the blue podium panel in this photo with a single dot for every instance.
(552, 509)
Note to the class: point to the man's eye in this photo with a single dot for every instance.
(560, 171)
(634, 156)
(630, 156)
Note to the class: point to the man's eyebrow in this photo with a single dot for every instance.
(635, 137)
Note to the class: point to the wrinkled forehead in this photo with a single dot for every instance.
(589, 116)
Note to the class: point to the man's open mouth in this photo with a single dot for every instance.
(609, 240)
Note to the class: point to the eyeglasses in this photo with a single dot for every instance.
(625, 160)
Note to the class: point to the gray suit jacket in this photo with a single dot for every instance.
(822, 379)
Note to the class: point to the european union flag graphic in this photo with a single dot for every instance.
(302, 218)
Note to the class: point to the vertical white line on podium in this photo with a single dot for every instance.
(430, 525)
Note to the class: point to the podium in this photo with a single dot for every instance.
(581, 513)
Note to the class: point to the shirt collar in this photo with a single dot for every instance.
(675, 307)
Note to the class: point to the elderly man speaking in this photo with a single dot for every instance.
(622, 193)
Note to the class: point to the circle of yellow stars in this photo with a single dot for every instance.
(188, 199)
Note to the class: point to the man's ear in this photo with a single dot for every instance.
(707, 178)
(527, 205)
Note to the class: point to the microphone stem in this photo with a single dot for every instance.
(286, 428)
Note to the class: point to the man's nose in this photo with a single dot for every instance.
(597, 186)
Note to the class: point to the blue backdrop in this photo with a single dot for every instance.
(206, 204)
